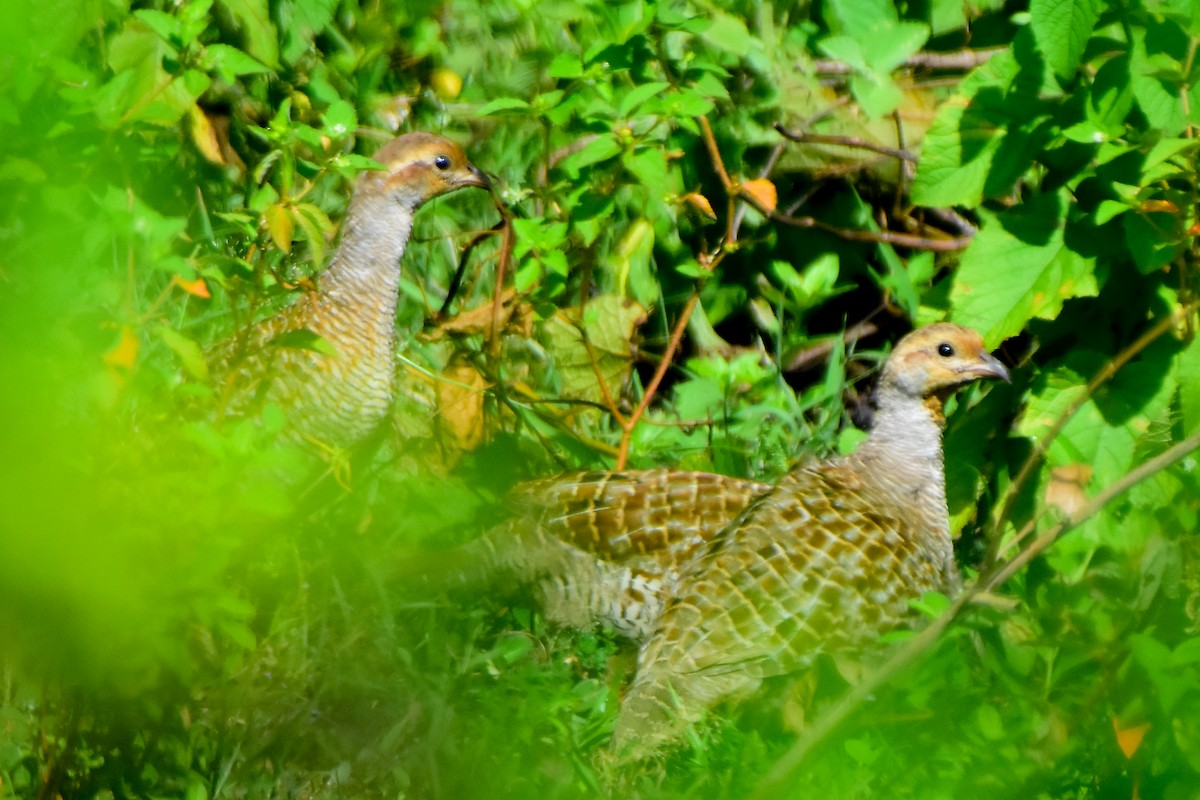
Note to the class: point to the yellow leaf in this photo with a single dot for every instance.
(701, 204)
(763, 192)
(204, 135)
(281, 226)
(124, 353)
(1129, 739)
(197, 287)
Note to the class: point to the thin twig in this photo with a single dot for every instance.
(844, 141)
(889, 237)
(959, 60)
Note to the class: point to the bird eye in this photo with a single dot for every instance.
(945, 350)
(442, 162)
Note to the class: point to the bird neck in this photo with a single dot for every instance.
(903, 456)
(365, 269)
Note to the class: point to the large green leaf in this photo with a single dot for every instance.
(1019, 268)
(984, 139)
(1062, 29)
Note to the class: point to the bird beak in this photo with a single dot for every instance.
(989, 366)
(477, 178)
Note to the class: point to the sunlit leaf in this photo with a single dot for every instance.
(280, 225)
(124, 353)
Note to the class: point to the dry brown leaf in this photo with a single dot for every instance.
(701, 204)
(204, 136)
(198, 287)
(763, 192)
(460, 394)
(512, 314)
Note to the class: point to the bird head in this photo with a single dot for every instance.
(935, 360)
(419, 167)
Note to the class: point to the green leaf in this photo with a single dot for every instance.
(303, 339)
(565, 65)
(1188, 372)
(189, 353)
(857, 18)
(1153, 240)
(1018, 268)
(168, 106)
(975, 149)
(1062, 29)
(501, 104)
(608, 323)
(165, 25)
(1110, 426)
(845, 49)
(631, 263)
(340, 119)
(650, 167)
(261, 39)
(728, 33)
(601, 148)
(1157, 97)
(887, 47)
(878, 95)
(232, 62)
(640, 94)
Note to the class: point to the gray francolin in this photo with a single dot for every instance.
(823, 563)
(336, 398)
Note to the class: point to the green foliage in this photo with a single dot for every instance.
(191, 608)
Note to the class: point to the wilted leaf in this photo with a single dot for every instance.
(1129, 739)
(763, 192)
(512, 314)
(460, 396)
(204, 136)
(196, 288)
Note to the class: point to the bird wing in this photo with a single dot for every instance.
(659, 515)
(789, 581)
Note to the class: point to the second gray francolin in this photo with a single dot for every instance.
(336, 398)
(825, 562)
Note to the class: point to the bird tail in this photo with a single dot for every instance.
(505, 554)
(658, 709)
